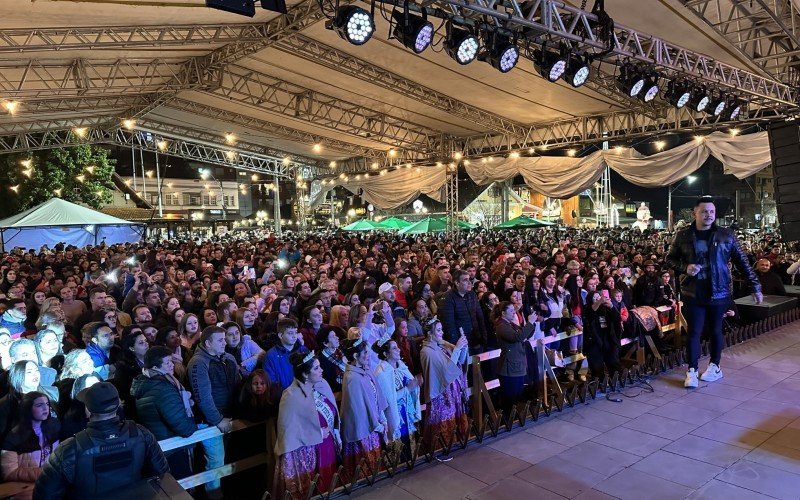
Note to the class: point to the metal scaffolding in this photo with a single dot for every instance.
(766, 32)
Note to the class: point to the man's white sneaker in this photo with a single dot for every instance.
(691, 379)
(712, 373)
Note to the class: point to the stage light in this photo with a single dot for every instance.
(415, 32)
(734, 109)
(503, 54)
(717, 104)
(677, 93)
(651, 88)
(11, 106)
(577, 70)
(461, 45)
(80, 131)
(630, 80)
(353, 24)
(230, 138)
(699, 99)
(551, 65)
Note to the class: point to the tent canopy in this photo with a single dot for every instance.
(523, 222)
(56, 221)
(426, 225)
(362, 225)
(393, 223)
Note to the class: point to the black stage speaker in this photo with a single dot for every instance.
(784, 146)
(242, 7)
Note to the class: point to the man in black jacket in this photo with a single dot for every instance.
(771, 283)
(700, 255)
(105, 457)
(459, 310)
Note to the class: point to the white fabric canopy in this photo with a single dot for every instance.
(56, 221)
(562, 177)
(391, 190)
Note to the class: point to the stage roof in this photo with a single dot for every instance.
(283, 84)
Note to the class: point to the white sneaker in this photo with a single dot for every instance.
(712, 373)
(691, 379)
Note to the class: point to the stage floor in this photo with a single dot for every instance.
(738, 438)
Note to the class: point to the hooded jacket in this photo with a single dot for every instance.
(159, 407)
(213, 380)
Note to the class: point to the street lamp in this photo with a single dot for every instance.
(206, 174)
(689, 180)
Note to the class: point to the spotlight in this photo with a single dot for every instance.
(551, 65)
(651, 87)
(413, 31)
(353, 24)
(733, 109)
(677, 93)
(717, 104)
(630, 80)
(699, 99)
(503, 54)
(461, 45)
(577, 70)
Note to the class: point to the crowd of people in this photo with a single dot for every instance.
(337, 340)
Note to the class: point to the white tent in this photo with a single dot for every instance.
(56, 221)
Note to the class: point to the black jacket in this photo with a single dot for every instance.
(60, 477)
(457, 311)
(723, 247)
(159, 407)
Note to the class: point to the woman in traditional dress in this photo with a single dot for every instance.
(363, 412)
(401, 390)
(308, 431)
(444, 387)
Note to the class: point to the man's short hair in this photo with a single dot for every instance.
(137, 307)
(460, 273)
(17, 344)
(95, 290)
(94, 330)
(703, 199)
(285, 324)
(154, 356)
(208, 332)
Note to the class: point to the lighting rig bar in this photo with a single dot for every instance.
(541, 20)
(617, 125)
(191, 149)
(20, 40)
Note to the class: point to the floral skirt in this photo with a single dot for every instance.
(297, 469)
(369, 450)
(446, 418)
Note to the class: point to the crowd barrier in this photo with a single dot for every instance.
(486, 421)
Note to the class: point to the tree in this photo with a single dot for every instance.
(80, 174)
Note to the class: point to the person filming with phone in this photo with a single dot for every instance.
(699, 255)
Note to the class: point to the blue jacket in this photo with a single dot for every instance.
(277, 365)
(15, 328)
(99, 358)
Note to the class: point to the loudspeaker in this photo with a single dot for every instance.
(784, 146)
(242, 7)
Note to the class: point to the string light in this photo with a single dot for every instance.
(26, 163)
(230, 155)
(514, 155)
(129, 124)
(230, 138)
(317, 147)
(571, 152)
(466, 162)
(735, 132)
(149, 173)
(57, 192)
(286, 160)
(162, 145)
(699, 138)
(80, 178)
(15, 188)
(90, 169)
(332, 164)
(80, 131)
(374, 165)
(531, 150)
(660, 145)
(618, 149)
(392, 153)
(169, 185)
(458, 155)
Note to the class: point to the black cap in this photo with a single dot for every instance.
(102, 397)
